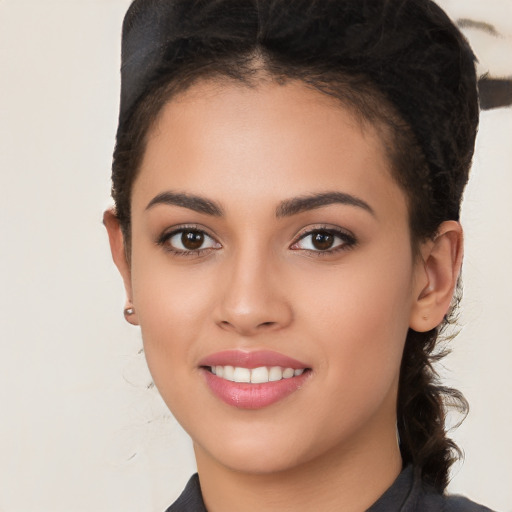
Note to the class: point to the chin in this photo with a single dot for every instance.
(252, 458)
(266, 447)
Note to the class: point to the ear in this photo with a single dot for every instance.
(436, 277)
(117, 247)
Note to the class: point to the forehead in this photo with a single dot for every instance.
(269, 141)
(231, 109)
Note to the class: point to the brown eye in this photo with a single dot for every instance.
(188, 241)
(192, 240)
(322, 240)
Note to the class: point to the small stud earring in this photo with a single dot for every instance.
(129, 311)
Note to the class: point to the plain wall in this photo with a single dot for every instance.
(79, 428)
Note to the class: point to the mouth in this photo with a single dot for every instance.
(253, 380)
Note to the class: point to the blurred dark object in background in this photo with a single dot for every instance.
(494, 92)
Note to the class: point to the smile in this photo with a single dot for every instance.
(259, 375)
(253, 380)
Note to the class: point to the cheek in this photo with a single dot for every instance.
(359, 316)
(171, 304)
(170, 310)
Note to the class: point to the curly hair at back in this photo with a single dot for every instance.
(400, 65)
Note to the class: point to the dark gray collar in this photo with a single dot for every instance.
(394, 499)
(407, 494)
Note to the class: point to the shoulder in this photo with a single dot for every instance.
(190, 499)
(433, 501)
(462, 504)
(422, 497)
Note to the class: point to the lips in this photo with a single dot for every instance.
(253, 380)
(251, 359)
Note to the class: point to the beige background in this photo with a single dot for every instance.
(79, 431)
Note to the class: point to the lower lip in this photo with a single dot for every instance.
(253, 396)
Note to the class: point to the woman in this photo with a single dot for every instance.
(287, 181)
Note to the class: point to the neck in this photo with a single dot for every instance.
(351, 480)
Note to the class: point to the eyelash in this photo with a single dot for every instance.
(348, 241)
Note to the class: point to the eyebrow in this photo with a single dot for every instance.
(192, 202)
(304, 203)
(286, 208)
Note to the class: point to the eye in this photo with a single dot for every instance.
(188, 241)
(324, 240)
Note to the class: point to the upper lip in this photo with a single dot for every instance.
(253, 359)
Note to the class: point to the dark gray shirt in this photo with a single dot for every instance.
(407, 494)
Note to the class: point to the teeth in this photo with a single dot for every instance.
(275, 373)
(242, 375)
(229, 373)
(259, 375)
(288, 373)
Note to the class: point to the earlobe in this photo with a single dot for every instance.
(437, 276)
(117, 247)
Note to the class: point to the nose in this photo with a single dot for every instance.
(253, 298)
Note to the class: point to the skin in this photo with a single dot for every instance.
(259, 284)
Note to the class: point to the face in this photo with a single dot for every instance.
(270, 244)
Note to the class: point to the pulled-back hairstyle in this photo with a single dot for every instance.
(398, 64)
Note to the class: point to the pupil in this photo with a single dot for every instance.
(192, 240)
(323, 241)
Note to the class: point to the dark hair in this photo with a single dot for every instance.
(398, 64)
